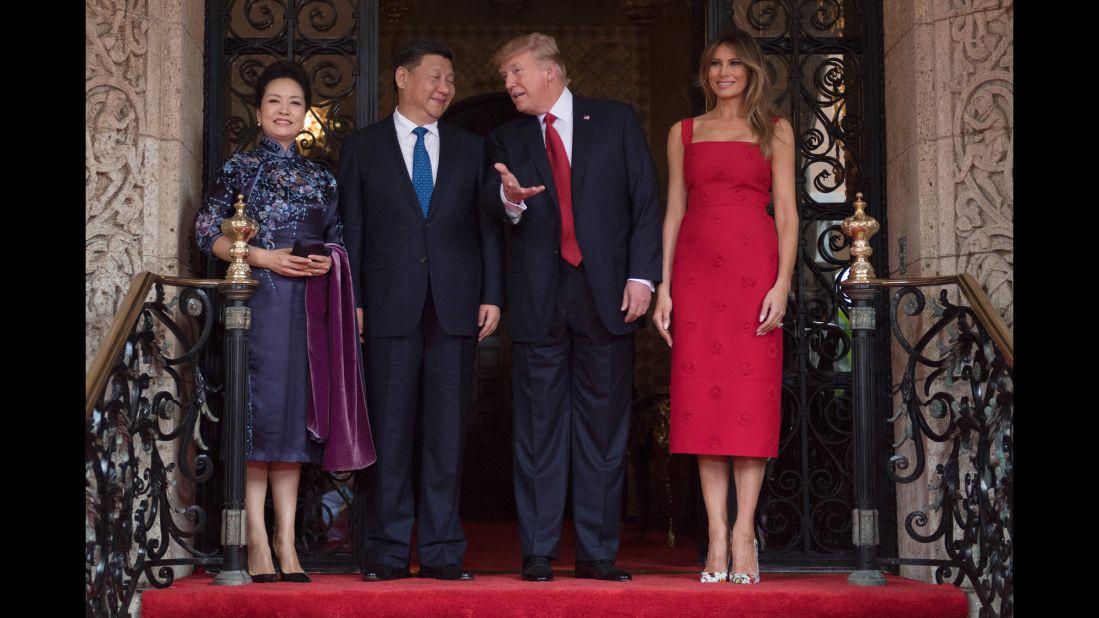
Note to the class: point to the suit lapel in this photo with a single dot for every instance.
(448, 153)
(582, 130)
(531, 134)
(391, 154)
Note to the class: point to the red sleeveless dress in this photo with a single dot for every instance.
(726, 385)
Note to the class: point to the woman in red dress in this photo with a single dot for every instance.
(727, 267)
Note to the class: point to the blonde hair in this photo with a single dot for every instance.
(758, 97)
(542, 46)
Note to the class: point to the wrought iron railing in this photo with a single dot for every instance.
(953, 427)
(146, 396)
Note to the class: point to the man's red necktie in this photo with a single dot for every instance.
(562, 179)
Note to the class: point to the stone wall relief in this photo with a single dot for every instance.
(983, 131)
(117, 157)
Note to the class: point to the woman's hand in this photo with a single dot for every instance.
(662, 314)
(319, 265)
(280, 261)
(774, 307)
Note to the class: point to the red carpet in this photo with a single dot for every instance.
(664, 585)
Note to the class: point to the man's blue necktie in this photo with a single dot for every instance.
(421, 170)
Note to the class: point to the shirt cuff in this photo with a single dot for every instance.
(647, 282)
(514, 211)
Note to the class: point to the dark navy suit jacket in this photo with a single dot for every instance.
(393, 250)
(616, 211)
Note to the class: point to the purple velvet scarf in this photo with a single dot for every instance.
(337, 416)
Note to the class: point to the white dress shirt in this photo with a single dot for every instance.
(407, 140)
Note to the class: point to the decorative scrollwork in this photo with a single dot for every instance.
(830, 243)
(812, 140)
(325, 504)
(129, 488)
(833, 79)
(326, 76)
(964, 401)
(780, 519)
(762, 14)
(850, 126)
(322, 14)
(831, 176)
(248, 72)
(260, 15)
(825, 14)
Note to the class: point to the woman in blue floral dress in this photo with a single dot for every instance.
(292, 198)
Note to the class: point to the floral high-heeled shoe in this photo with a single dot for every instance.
(713, 577)
(748, 578)
(717, 577)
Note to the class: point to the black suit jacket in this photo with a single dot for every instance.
(395, 252)
(615, 205)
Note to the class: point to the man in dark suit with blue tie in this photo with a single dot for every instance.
(426, 263)
(577, 182)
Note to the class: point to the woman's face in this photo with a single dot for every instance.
(281, 113)
(728, 76)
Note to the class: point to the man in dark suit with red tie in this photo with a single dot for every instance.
(576, 180)
(427, 267)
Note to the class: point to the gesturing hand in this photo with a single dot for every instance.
(512, 191)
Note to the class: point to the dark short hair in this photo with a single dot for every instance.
(411, 53)
(282, 69)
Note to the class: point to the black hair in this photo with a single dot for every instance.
(412, 52)
(278, 70)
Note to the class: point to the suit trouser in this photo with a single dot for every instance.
(571, 401)
(438, 367)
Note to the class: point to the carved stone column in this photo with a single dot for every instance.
(143, 146)
(949, 132)
(950, 127)
(143, 156)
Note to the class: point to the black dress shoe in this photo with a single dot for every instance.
(601, 569)
(537, 569)
(301, 577)
(450, 572)
(264, 578)
(296, 578)
(384, 572)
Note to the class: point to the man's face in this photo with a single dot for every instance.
(426, 91)
(530, 83)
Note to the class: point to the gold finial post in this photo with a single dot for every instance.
(240, 228)
(859, 227)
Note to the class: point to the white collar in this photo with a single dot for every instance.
(405, 126)
(562, 108)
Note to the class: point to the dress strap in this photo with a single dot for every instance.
(686, 128)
